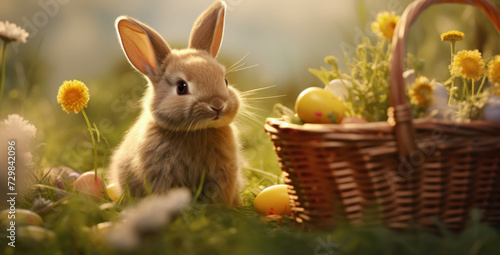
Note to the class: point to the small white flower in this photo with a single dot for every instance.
(17, 124)
(10, 32)
(16, 129)
(338, 88)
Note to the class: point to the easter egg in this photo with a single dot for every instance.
(53, 173)
(273, 200)
(113, 192)
(90, 186)
(339, 88)
(72, 179)
(22, 217)
(35, 233)
(315, 105)
(59, 183)
(492, 109)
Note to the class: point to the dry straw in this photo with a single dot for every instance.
(402, 172)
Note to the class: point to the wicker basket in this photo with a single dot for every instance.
(402, 172)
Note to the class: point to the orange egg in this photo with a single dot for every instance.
(90, 186)
(273, 200)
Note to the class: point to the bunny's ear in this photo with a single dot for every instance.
(208, 29)
(144, 47)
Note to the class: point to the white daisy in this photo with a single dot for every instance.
(17, 124)
(10, 32)
(16, 130)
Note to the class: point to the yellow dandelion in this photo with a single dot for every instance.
(468, 64)
(73, 96)
(494, 70)
(452, 36)
(384, 24)
(422, 93)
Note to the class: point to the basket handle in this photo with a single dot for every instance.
(400, 110)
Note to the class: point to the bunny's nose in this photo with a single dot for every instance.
(216, 104)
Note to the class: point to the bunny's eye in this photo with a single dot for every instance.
(182, 87)
(226, 82)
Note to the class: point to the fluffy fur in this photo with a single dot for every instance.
(178, 137)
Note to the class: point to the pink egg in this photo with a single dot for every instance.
(90, 186)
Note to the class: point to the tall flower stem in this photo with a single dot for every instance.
(465, 91)
(93, 141)
(481, 86)
(452, 91)
(473, 87)
(452, 50)
(2, 84)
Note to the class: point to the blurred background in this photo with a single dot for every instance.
(72, 39)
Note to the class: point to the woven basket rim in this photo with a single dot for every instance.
(473, 127)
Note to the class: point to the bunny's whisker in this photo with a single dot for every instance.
(236, 64)
(241, 68)
(262, 98)
(257, 89)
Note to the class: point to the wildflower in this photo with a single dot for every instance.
(73, 96)
(16, 123)
(494, 70)
(385, 24)
(331, 60)
(422, 93)
(17, 134)
(468, 64)
(10, 32)
(452, 36)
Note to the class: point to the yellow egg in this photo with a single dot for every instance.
(315, 105)
(90, 186)
(113, 192)
(273, 200)
(35, 233)
(22, 217)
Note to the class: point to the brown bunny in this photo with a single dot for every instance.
(185, 129)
